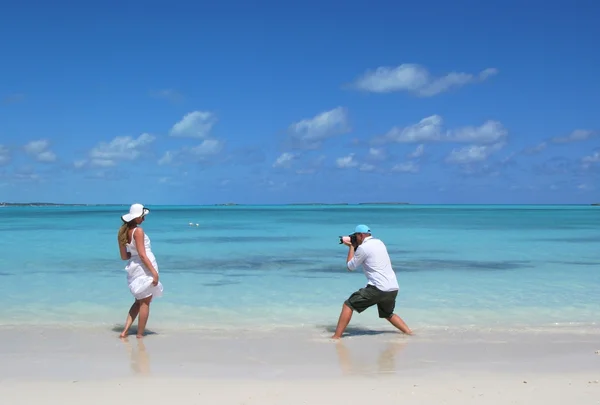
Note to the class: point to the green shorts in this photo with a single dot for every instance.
(370, 295)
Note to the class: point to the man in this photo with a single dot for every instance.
(382, 286)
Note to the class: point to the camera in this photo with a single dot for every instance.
(351, 239)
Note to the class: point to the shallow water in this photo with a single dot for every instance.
(276, 266)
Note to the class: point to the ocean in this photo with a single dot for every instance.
(459, 267)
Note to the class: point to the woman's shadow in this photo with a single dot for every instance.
(132, 330)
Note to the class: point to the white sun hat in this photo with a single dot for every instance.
(135, 211)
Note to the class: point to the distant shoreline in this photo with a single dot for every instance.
(43, 204)
(49, 204)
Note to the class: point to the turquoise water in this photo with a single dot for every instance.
(281, 266)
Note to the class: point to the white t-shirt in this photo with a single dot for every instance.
(377, 266)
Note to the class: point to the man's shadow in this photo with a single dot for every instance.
(358, 331)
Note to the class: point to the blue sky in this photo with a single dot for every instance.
(191, 103)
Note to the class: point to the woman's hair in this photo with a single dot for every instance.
(123, 238)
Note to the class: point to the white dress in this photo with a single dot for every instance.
(139, 278)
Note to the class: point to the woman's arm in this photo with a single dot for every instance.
(141, 248)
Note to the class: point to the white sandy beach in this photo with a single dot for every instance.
(475, 388)
(62, 366)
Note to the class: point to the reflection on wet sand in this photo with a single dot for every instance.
(138, 357)
(385, 363)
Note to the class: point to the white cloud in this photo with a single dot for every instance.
(26, 176)
(377, 154)
(121, 148)
(103, 162)
(585, 187)
(196, 124)
(284, 160)
(509, 158)
(536, 149)
(208, 147)
(489, 132)
(595, 157)
(22, 173)
(427, 130)
(374, 155)
(346, 162)
(311, 132)
(46, 156)
(201, 152)
(430, 129)
(39, 151)
(365, 167)
(417, 152)
(587, 161)
(473, 153)
(575, 136)
(578, 135)
(35, 147)
(407, 167)
(167, 158)
(4, 155)
(415, 79)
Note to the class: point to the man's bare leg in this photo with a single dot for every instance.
(343, 321)
(399, 323)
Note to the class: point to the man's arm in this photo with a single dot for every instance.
(354, 259)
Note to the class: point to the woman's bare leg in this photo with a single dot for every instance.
(133, 313)
(144, 314)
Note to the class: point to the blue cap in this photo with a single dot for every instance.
(362, 229)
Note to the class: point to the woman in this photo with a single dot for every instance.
(142, 269)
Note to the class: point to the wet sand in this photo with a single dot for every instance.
(297, 366)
